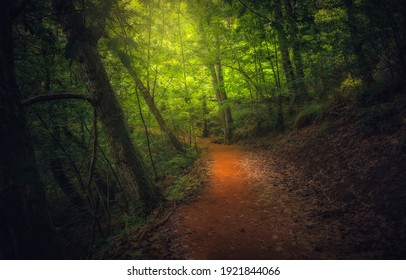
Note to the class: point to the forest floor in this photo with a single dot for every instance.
(333, 190)
(290, 203)
(238, 215)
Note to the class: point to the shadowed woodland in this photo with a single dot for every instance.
(202, 129)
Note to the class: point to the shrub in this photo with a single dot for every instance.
(310, 114)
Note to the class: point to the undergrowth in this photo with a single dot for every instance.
(310, 114)
(187, 184)
(185, 174)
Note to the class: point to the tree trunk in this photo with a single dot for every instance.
(228, 120)
(140, 192)
(205, 129)
(218, 84)
(283, 48)
(185, 84)
(297, 57)
(25, 228)
(68, 188)
(356, 44)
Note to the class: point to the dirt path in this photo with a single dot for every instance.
(240, 214)
(260, 205)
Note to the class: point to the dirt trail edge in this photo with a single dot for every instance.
(240, 214)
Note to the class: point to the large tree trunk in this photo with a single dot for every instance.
(25, 228)
(139, 189)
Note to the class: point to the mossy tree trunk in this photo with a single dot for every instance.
(139, 190)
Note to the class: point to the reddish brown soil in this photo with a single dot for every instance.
(239, 214)
(229, 220)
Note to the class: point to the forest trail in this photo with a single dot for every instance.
(239, 214)
(264, 204)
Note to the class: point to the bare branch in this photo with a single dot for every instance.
(253, 11)
(58, 96)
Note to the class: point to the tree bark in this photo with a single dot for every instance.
(26, 231)
(284, 49)
(141, 193)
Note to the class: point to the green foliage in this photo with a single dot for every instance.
(178, 163)
(124, 58)
(179, 189)
(132, 222)
(310, 114)
(189, 182)
(350, 86)
(251, 119)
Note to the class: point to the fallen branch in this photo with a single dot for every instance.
(58, 96)
(155, 224)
